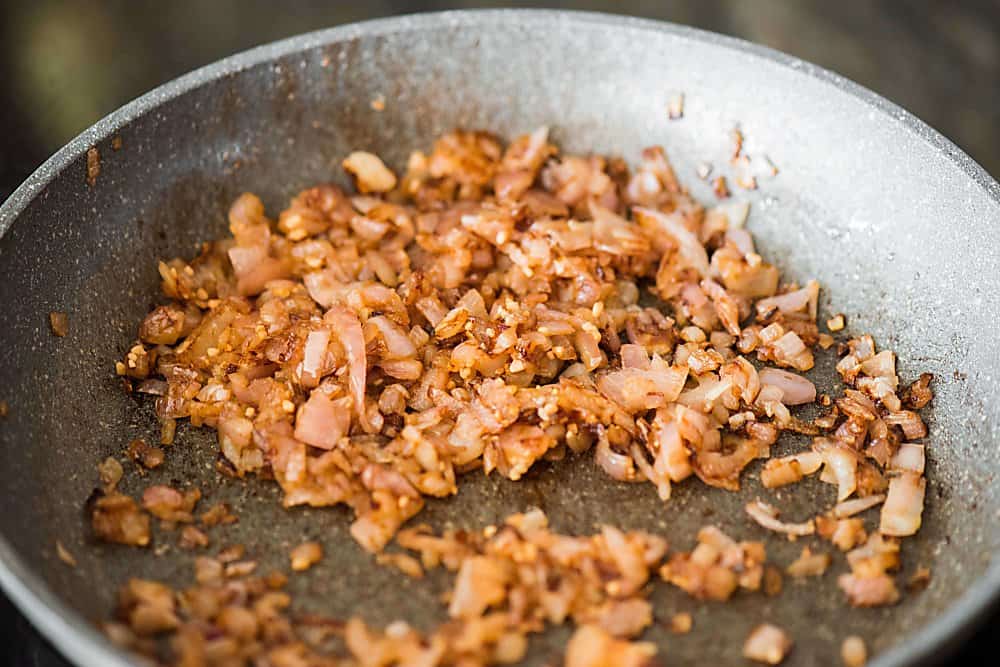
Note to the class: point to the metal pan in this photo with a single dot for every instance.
(898, 224)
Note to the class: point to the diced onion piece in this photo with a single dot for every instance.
(875, 591)
(688, 244)
(911, 423)
(481, 582)
(616, 235)
(634, 356)
(854, 506)
(371, 173)
(767, 516)
(742, 239)
(842, 465)
(810, 462)
(809, 564)
(322, 422)
(398, 344)
(790, 302)
(853, 652)
(348, 328)
(790, 469)
(780, 472)
(909, 457)
(592, 646)
(673, 460)
(795, 389)
(736, 213)
(768, 644)
(882, 364)
(617, 466)
(314, 356)
(904, 504)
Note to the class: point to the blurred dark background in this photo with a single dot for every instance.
(63, 65)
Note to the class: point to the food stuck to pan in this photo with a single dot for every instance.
(490, 309)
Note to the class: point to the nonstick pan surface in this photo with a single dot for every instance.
(901, 228)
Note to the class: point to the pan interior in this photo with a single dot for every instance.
(901, 237)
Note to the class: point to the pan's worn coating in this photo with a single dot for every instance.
(899, 226)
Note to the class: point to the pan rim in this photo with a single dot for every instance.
(80, 642)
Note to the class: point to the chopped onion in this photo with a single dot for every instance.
(348, 329)
(617, 466)
(709, 390)
(398, 344)
(637, 390)
(768, 644)
(790, 302)
(854, 506)
(736, 213)
(673, 460)
(911, 423)
(742, 239)
(322, 422)
(616, 235)
(725, 306)
(323, 287)
(908, 457)
(841, 466)
(634, 356)
(904, 503)
(809, 564)
(874, 591)
(767, 516)
(688, 244)
(790, 469)
(591, 646)
(882, 364)
(370, 172)
(152, 386)
(853, 652)
(808, 461)
(486, 314)
(795, 389)
(314, 357)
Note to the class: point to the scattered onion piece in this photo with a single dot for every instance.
(795, 389)
(853, 652)
(854, 506)
(768, 644)
(767, 516)
(809, 564)
(904, 503)
(687, 243)
(908, 458)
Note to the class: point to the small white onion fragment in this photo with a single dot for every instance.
(688, 244)
(853, 652)
(795, 389)
(767, 516)
(809, 564)
(591, 646)
(854, 506)
(909, 458)
(768, 644)
(841, 467)
(903, 506)
(789, 469)
(371, 173)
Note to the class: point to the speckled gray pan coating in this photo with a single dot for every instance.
(899, 226)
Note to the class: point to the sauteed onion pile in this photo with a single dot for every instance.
(491, 308)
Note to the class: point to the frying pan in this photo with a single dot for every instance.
(897, 223)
